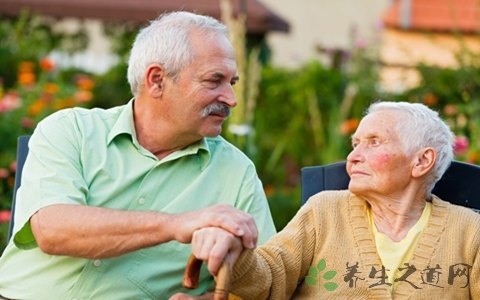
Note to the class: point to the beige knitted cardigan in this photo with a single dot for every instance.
(313, 256)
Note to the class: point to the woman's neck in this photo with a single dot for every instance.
(395, 218)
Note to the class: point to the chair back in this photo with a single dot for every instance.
(459, 185)
(22, 151)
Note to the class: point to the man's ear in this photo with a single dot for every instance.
(424, 162)
(154, 80)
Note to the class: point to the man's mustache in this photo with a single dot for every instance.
(217, 109)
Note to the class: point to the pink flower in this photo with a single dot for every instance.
(27, 123)
(5, 216)
(10, 101)
(13, 166)
(461, 145)
(4, 173)
(360, 44)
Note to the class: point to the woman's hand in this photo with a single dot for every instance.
(214, 245)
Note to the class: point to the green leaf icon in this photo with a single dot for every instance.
(322, 264)
(330, 286)
(313, 277)
(329, 275)
(311, 281)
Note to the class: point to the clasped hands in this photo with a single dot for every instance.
(224, 236)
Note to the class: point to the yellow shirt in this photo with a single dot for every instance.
(395, 254)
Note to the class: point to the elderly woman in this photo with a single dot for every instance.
(386, 237)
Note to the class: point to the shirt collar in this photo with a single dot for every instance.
(125, 125)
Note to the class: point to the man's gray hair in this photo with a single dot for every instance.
(166, 41)
(421, 127)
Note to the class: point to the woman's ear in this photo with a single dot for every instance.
(154, 79)
(425, 160)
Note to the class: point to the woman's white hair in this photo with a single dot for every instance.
(166, 41)
(422, 127)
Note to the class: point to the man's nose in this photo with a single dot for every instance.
(228, 96)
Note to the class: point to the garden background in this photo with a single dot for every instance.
(286, 118)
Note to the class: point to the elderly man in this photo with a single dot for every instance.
(110, 198)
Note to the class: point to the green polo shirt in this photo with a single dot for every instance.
(92, 157)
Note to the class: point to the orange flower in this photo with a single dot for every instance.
(11, 181)
(83, 96)
(63, 103)
(430, 99)
(36, 107)
(474, 157)
(47, 65)
(85, 83)
(26, 67)
(26, 78)
(269, 190)
(349, 126)
(50, 88)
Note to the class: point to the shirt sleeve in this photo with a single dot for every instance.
(51, 175)
(253, 200)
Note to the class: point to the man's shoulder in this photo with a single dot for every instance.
(81, 113)
(82, 118)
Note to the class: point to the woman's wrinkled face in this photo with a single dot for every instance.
(378, 165)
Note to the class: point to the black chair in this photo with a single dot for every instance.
(459, 185)
(22, 151)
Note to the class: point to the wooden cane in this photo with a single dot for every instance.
(222, 281)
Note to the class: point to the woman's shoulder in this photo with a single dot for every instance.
(334, 200)
(454, 211)
(331, 195)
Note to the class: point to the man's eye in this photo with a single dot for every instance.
(213, 82)
(375, 142)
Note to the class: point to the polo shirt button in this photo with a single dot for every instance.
(141, 201)
(97, 263)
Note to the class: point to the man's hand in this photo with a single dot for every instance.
(226, 217)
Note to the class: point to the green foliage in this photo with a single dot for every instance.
(30, 37)
(296, 115)
(111, 88)
(455, 94)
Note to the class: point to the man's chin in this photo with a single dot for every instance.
(213, 132)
